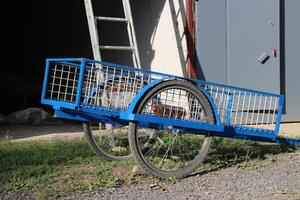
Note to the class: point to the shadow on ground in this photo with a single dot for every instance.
(229, 152)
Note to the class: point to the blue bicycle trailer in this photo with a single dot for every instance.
(168, 121)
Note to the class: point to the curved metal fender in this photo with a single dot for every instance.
(144, 90)
(138, 96)
(212, 103)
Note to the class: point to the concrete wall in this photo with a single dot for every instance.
(159, 26)
(168, 42)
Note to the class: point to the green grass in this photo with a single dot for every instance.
(228, 152)
(55, 168)
(58, 168)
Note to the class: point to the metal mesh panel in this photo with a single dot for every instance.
(62, 82)
(112, 87)
(248, 109)
(105, 86)
(176, 103)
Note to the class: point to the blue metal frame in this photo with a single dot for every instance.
(229, 108)
(44, 90)
(141, 93)
(238, 88)
(213, 106)
(281, 104)
(77, 111)
(80, 82)
(59, 104)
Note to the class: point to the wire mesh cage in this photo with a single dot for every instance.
(244, 108)
(62, 82)
(103, 85)
(176, 103)
(92, 91)
(108, 86)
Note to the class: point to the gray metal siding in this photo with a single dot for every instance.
(252, 33)
(233, 34)
(211, 40)
(292, 59)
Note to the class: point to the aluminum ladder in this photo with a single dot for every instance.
(92, 23)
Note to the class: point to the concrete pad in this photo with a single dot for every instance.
(41, 132)
(290, 129)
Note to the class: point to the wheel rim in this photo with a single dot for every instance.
(116, 147)
(112, 143)
(172, 150)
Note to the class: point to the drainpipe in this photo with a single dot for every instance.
(190, 37)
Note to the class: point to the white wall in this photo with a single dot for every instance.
(169, 41)
(165, 22)
(159, 26)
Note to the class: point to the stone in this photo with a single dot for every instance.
(33, 116)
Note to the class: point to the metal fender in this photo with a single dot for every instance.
(138, 96)
(212, 104)
(144, 90)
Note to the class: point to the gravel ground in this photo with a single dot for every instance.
(276, 178)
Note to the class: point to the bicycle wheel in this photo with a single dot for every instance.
(112, 143)
(109, 146)
(168, 152)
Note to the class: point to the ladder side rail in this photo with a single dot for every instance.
(92, 23)
(131, 33)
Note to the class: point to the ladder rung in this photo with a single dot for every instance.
(115, 19)
(117, 47)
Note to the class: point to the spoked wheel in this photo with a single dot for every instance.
(112, 143)
(110, 146)
(166, 151)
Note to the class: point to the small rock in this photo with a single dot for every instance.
(119, 149)
(153, 185)
(293, 154)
